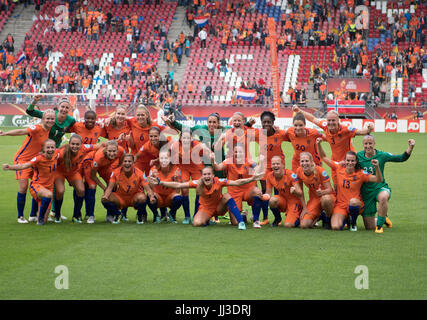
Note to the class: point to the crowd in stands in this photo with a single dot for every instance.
(299, 25)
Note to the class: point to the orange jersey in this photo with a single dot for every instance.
(304, 144)
(140, 134)
(33, 144)
(210, 197)
(313, 181)
(44, 170)
(340, 142)
(242, 171)
(148, 152)
(88, 136)
(273, 144)
(102, 164)
(128, 186)
(114, 133)
(174, 174)
(348, 185)
(190, 158)
(283, 185)
(75, 162)
(234, 136)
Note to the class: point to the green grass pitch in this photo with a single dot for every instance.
(129, 261)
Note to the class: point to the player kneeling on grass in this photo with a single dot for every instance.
(69, 161)
(378, 192)
(320, 191)
(41, 186)
(350, 179)
(212, 201)
(290, 194)
(165, 197)
(237, 167)
(126, 189)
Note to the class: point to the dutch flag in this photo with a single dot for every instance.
(202, 20)
(83, 95)
(246, 94)
(21, 57)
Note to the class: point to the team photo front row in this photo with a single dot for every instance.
(140, 166)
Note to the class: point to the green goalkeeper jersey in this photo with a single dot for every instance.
(382, 157)
(58, 129)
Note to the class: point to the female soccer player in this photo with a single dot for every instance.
(165, 197)
(140, 126)
(378, 192)
(350, 179)
(271, 144)
(118, 128)
(212, 201)
(33, 143)
(303, 140)
(41, 186)
(101, 162)
(289, 194)
(189, 154)
(69, 167)
(338, 136)
(126, 189)
(321, 193)
(63, 121)
(148, 154)
(89, 130)
(239, 167)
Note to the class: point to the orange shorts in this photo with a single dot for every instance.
(72, 176)
(34, 189)
(314, 207)
(292, 207)
(163, 200)
(242, 196)
(126, 200)
(188, 172)
(342, 208)
(211, 210)
(23, 174)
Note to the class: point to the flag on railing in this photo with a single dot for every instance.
(202, 20)
(21, 58)
(246, 94)
(346, 106)
(83, 95)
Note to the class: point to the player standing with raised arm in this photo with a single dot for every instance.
(338, 136)
(378, 192)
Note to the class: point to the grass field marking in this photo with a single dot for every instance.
(362, 280)
(62, 281)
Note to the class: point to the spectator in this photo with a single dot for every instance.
(202, 36)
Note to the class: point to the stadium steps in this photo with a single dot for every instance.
(178, 24)
(18, 25)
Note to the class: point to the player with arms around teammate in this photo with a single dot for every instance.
(212, 201)
(41, 186)
(350, 179)
(31, 147)
(126, 189)
(339, 136)
(321, 193)
(378, 192)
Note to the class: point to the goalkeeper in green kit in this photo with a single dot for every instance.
(377, 192)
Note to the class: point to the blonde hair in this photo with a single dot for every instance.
(145, 109)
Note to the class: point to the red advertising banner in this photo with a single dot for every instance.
(366, 121)
(390, 126)
(349, 85)
(413, 126)
(274, 66)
